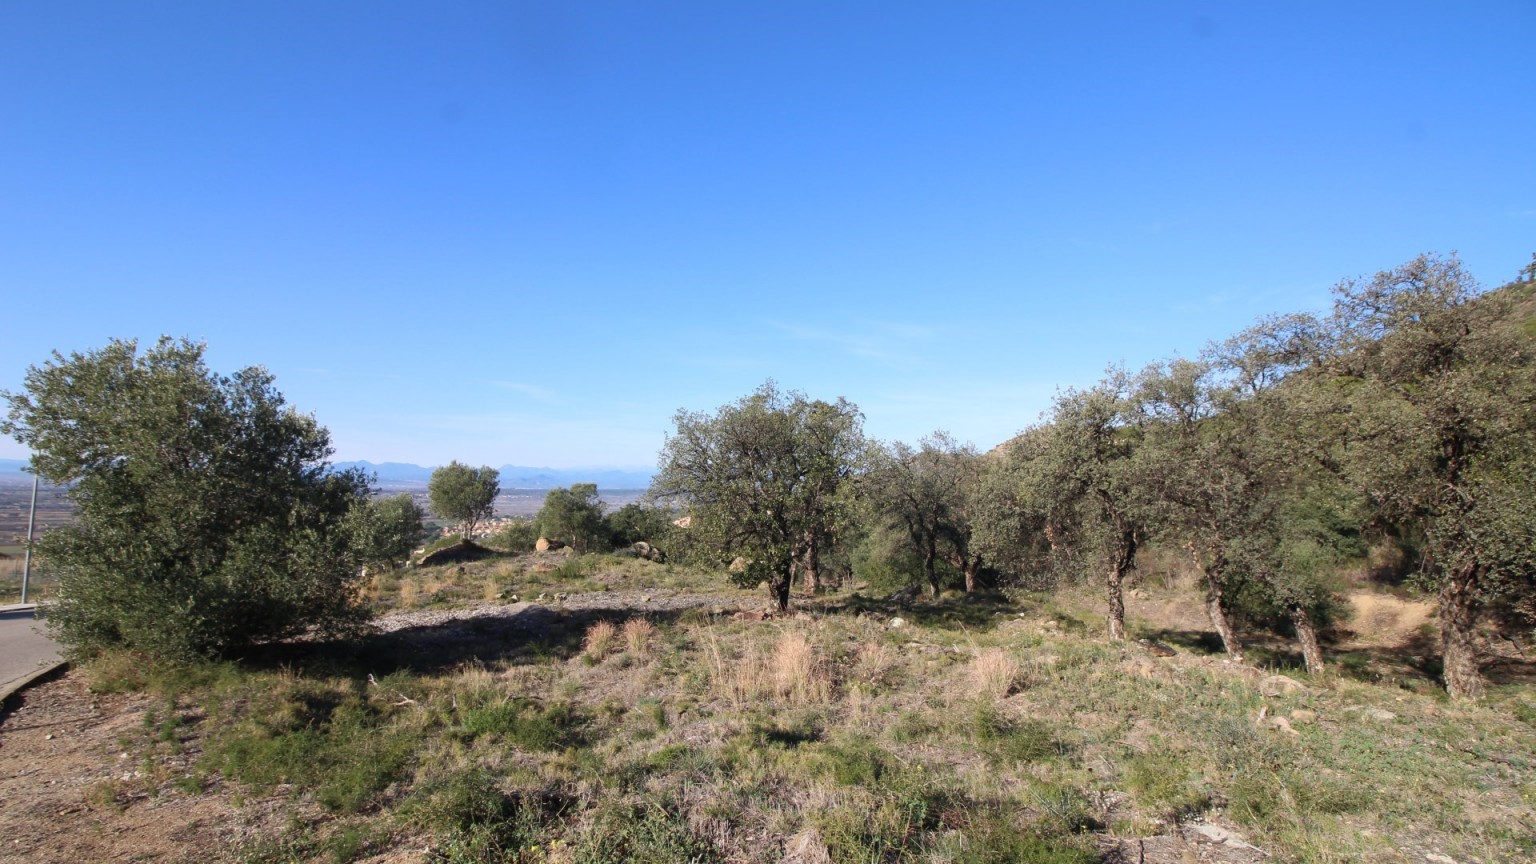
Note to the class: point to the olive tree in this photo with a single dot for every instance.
(1083, 479)
(927, 494)
(385, 530)
(207, 516)
(763, 477)
(464, 494)
(1431, 402)
(574, 516)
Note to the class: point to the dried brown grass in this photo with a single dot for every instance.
(599, 639)
(637, 633)
(994, 673)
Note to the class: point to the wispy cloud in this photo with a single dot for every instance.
(532, 391)
(1522, 214)
(889, 343)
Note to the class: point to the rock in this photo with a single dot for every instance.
(1283, 725)
(749, 616)
(807, 847)
(1303, 717)
(1279, 685)
(897, 623)
(545, 544)
(642, 547)
(738, 565)
(1217, 834)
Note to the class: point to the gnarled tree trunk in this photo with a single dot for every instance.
(1306, 635)
(1458, 616)
(1217, 606)
(929, 554)
(810, 564)
(972, 568)
(1121, 563)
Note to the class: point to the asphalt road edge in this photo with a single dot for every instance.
(22, 683)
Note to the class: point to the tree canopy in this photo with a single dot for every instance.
(763, 478)
(464, 494)
(208, 518)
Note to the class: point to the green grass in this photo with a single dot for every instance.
(527, 754)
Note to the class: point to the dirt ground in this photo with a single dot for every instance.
(69, 792)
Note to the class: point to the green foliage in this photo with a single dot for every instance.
(526, 724)
(463, 494)
(929, 497)
(634, 522)
(207, 519)
(764, 478)
(326, 739)
(641, 835)
(573, 516)
(520, 535)
(479, 822)
(384, 531)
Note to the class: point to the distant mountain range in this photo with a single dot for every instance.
(515, 476)
(512, 476)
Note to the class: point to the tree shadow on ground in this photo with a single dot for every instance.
(980, 611)
(1195, 641)
(524, 635)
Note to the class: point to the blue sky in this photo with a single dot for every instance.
(529, 233)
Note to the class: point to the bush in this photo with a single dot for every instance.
(520, 535)
(207, 516)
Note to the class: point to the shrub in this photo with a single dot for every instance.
(207, 516)
(637, 635)
(599, 639)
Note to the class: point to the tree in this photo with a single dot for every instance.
(1083, 480)
(762, 478)
(208, 518)
(927, 495)
(1430, 399)
(464, 494)
(574, 516)
(385, 530)
(1219, 458)
(635, 522)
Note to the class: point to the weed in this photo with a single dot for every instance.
(638, 633)
(527, 724)
(599, 639)
(649, 834)
(1013, 741)
(994, 673)
(1166, 785)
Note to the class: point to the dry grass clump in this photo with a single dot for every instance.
(637, 634)
(796, 671)
(994, 673)
(599, 639)
(793, 671)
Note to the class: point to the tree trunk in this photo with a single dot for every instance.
(1216, 603)
(929, 571)
(1116, 605)
(1458, 615)
(972, 568)
(778, 588)
(810, 564)
(1124, 559)
(1306, 634)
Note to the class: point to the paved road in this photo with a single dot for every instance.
(24, 645)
